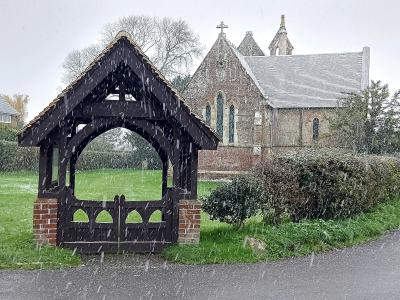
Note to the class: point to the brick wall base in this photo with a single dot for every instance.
(45, 221)
(189, 222)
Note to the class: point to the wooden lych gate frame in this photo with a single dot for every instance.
(144, 102)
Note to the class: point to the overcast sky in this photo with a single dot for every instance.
(36, 36)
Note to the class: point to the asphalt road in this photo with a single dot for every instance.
(371, 271)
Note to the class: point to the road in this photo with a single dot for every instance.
(370, 271)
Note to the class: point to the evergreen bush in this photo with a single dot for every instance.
(236, 201)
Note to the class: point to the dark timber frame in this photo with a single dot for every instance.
(154, 111)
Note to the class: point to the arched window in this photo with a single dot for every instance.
(208, 114)
(231, 124)
(220, 115)
(315, 129)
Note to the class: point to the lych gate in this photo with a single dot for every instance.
(144, 103)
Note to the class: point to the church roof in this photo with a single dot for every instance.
(315, 80)
(249, 47)
(6, 108)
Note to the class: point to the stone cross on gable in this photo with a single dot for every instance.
(222, 26)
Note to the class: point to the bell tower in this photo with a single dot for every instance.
(281, 45)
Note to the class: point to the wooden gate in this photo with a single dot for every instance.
(118, 236)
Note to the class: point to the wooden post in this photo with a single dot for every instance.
(44, 169)
(164, 175)
(72, 170)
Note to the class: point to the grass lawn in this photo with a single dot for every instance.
(220, 243)
(18, 191)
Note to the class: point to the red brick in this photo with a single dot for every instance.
(50, 226)
(48, 206)
(49, 216)
(52, 241)
(41, 221)
(191, 211)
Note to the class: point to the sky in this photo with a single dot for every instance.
(37, 35)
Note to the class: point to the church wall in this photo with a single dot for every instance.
(323, 114)
(294, 127)
(286, 127)
(221, 71)
(226, 158)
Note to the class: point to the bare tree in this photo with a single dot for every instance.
(76, 62)
(142, 29)
(176, 48)
(170, 44)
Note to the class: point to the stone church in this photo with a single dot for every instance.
(260, 104)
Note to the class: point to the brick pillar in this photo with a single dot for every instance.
(45, 221)
(189, 222)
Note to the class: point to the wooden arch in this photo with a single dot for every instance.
(145, 129)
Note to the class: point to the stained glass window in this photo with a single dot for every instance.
(315, 129)
(231, 124)
(220, 115)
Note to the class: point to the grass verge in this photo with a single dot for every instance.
(220, 243)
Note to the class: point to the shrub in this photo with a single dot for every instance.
(280, 187)
(327, 184)
(236, 201)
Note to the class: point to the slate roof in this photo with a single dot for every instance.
(6, 108)
(315, 80)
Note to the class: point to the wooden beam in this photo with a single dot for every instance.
(122, 91)
(171, 103)
(108, 68)
(72, 98)
(122, 108)
(151, 132)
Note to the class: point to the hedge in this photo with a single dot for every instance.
(113, 159)
(8, 133)
(15, 158)
(326, 183)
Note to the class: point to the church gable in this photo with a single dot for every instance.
(249, 47)
(223, 69)
(222, 90)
